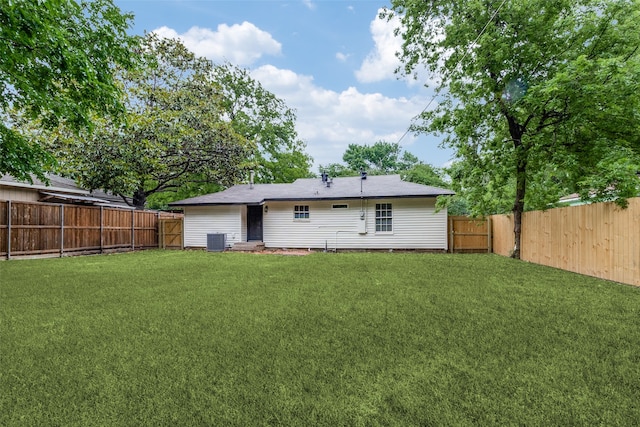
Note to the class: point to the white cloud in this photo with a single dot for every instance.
(381, 63)
(342, 57)
(311, 5)
(241, 44)
(329, 121)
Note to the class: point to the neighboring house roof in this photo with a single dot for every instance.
(572, 200)
(377, 186)
(65, 190)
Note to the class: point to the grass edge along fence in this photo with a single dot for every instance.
(34, 228)
(600, 239)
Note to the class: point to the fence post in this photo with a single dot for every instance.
(489, 236)
(8, 229)
(133, 229)
(101, 229)
(451, 235)
(158, 233)
(61, 230)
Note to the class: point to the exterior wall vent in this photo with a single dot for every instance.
(215, 242)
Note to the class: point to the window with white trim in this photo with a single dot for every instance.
(384, 217)
(301, 212)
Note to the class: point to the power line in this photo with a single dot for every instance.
(435, 95)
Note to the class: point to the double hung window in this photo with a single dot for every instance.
(384, 217)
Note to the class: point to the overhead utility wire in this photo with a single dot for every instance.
(435, 95)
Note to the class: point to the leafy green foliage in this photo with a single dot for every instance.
(258, 115)
(380, 158)
(427, 175)
(387, 158)
(337, 170)
(195, 338)
(176, 133)
(57, 60)
(538, 98)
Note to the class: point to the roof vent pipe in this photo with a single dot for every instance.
(324, 176)
(251, 176)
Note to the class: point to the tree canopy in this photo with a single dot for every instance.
(537, 98)
(278, 154)
(378, 159)
(56, 65)
(192, 127)
(175, 133)
(385, 158)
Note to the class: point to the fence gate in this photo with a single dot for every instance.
(469, 234)
(170, 233)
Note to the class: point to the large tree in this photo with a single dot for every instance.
(175, 134)
(536, 97)
(261, 117)
(386, 157)
(379, 158)
(56, 65)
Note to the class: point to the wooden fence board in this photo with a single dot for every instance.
(146, 230)
(468, 234)
(600, 239)
(170, 233)
(43, 228)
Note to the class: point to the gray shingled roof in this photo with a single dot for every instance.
(60, 188)
(378, 186)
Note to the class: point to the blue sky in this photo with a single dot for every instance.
(332, 61)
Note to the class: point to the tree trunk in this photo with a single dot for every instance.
(518, 206)
(139, 198)
(516, 130)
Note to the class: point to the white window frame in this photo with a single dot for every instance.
(301, 212)
(384, 218)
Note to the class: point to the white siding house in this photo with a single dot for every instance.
(379, 212)
(202, 220)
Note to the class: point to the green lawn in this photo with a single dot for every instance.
(194, 338)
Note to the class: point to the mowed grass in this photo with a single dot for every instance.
(194, 338)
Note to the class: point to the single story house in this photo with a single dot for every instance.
(375, 212)
(58, 190)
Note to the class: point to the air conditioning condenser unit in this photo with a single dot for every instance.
(215, 242)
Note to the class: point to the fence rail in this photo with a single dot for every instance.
(32, 228)
(600, 239)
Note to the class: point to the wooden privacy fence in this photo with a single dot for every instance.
(468, 235)
(600, 239)
(29, 228)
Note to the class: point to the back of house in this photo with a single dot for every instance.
(356, 213)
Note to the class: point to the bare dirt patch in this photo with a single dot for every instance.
(295, 252)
